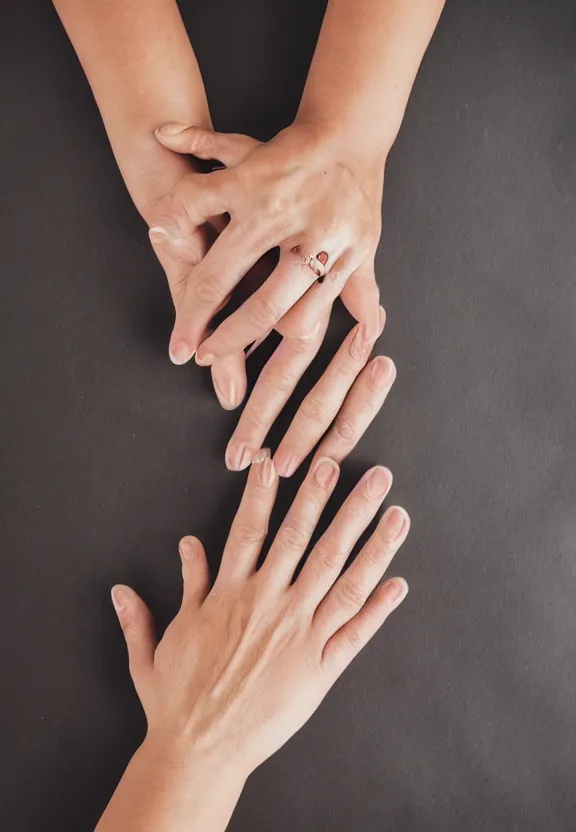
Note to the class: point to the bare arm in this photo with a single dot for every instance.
(143, 72)
(364, 67)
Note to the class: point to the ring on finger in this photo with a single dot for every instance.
(316, 262)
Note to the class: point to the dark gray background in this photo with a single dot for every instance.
(461, 714)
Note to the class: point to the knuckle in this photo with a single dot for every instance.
(313, 408)
(254, 420)
(208, 293)
(293, 537)
(344, 430)
(282, 380)
(327, 558)
(247, 534)
(373, 555)
(265, 313)
(275, 205)
(348, 369)
(354, 639)
(350, 594)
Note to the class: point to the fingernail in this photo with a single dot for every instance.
(227, 392)
(267, 472)
(287, 466)
(394, 523)
(381, 372)
(158, 234)
(187, 548)
(325, 472)
(378, 482)
(381, 320)
(171, 129)
(119, 599)
(396, 589)
(180, 352)
(240, 457)
(361, 344)
(205, 360)
(376, 327)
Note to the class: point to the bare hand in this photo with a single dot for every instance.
(245, 664)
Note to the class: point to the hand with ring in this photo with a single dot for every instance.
(299, 192)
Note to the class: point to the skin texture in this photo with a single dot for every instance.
(244, 664)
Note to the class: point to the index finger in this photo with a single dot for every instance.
(208, 284)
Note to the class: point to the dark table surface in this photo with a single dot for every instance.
(461, 714)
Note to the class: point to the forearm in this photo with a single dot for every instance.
(159, 793)
(367, 58)
(142, 70)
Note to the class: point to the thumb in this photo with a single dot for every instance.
(138, 627)
(229, 148)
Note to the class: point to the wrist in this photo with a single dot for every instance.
(195, 761)
(327, 141)
(349, 136)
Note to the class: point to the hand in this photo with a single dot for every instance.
(302, 192)
(245, 664)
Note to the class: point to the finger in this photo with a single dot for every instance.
(261, 312)
(229, 148)
(138, 627)
(321, 405)
(197, 199)
(177, 256)
(195, 571)
(209, 283)
(303, 318)
(345, 645)
(360, 407)
(328, 557)
(298, 526)
(272, 390)
(229, 379)
(361, 297)
(351, 590)
(250, 525)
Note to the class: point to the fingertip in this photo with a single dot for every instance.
(378, 482)
(397, 522)
(188, 547)
(203, 359)
(393, 592)
(286, 464)
(121, 599)
(238, 456)
(382, 372)
(325, 472)
(180, 352)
